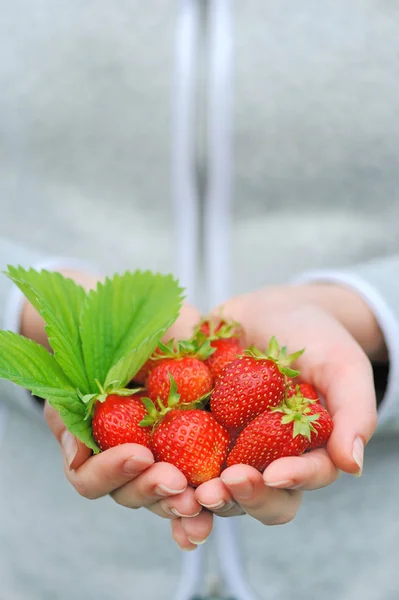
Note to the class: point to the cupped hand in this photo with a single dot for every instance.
(129, 474)
(336, 364)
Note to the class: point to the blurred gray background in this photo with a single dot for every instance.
(85, 140)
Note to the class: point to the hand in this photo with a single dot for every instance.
(337, 329)
(127, 472)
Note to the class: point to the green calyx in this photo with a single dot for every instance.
(90, 399)
(219, 328)
(297, 410)
(157, 413)
(298, 400)
(197, 346)
(277, 355)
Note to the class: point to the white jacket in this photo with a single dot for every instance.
(85, 173)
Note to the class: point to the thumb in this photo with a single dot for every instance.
(75, 453)
(184, 326)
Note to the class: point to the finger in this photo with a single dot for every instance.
(182, 505)
(268, 505)
(180, 536)
(159, 481)
(311, 471)
(75, 453)
(183, 328)
(215, 497)
(198, 529)
(105, 472)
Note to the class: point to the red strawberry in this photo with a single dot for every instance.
(250, 385)
(305, 389)
(226, 350)
(116, 421)
(266, 439)
(192, 441)
(192, 376)
(323, 425)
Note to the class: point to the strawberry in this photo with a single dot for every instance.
(306, 400)
(250, 385)
(193, 441)
(193, 379)
(323, 425)
(116, 421)
(226, 350)
(305, 389)
(267, 438)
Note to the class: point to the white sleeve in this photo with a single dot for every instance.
(378, 285)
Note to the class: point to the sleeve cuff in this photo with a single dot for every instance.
(387, 321)
(13, 313)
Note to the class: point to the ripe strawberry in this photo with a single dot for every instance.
(250, 385)
(226, 350)
(323, 426)
(192, 441)
(305, 389)
(265, 439)
(116, 421)
(192, 376)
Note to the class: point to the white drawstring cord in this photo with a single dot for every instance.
(186, 207)
(184, 191)
(215, 209)
(217, 213)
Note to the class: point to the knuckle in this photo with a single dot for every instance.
(83, 489)
(121, 500)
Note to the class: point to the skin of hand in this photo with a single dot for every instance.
(337, 363)
(340, 336)
(127, 472)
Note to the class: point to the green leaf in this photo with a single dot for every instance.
(74, 414)
(59, 301)
(31, 366)
(122, 322)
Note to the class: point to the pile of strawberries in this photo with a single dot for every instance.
(207, 403)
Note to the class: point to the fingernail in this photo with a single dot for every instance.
(243, 488)
(177, 514)
(221, 506)
(284, 483)
(162, 490)
(69, 446)
(358, 454)
(188, 549)
(136, 464)
(197, 542)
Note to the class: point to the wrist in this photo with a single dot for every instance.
(351, 311)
